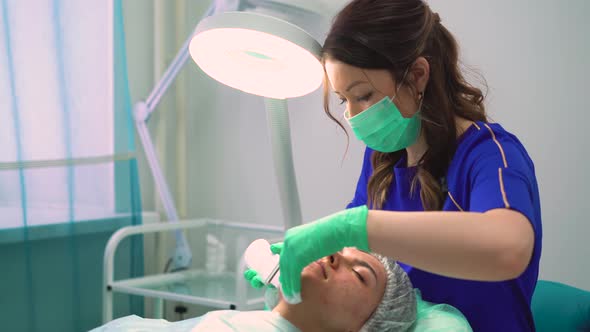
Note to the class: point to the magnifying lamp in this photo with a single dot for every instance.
(258, 54)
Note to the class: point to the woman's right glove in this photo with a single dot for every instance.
(306, 243)
(309, 242)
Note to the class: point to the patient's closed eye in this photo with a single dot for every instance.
(365, 270)
(360, 276)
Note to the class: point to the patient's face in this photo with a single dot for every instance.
(344, 288)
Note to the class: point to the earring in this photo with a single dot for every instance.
(420, 95)
(420, 100)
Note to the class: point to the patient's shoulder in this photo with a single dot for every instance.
(433, 317)
(232, 320)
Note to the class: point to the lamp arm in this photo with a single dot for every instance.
(166, 80)
(182, 256)
(152, 160)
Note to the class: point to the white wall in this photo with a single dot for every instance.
(534, 55)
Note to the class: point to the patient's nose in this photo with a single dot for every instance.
(334, 260)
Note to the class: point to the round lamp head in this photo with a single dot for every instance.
(258, 54)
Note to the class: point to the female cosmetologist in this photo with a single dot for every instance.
(450, 196)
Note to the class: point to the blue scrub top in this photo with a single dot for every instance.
(490, 169)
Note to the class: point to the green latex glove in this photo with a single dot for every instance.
(307, 243)
(271, 294)
(254, 278)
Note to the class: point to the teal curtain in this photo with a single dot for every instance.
(68, 169)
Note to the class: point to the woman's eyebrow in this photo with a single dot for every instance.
(367, 265)
(352, 85)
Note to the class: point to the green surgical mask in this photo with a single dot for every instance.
(383, 128)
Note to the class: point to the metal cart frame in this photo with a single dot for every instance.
(136, 286)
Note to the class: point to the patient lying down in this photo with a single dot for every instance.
(350, 290)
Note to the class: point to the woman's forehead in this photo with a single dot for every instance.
(342, 75)
(338, 71)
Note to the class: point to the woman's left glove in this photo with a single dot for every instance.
(254, 279)
(307, 243)
(271, 293)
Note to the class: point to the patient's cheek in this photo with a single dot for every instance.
(342, 294)
(323, 299)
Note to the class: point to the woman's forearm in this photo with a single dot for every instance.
(492, 246)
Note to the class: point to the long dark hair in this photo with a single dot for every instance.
(391, 35)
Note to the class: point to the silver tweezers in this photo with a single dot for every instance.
(272, 274)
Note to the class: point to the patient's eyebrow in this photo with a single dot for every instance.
(367, 265)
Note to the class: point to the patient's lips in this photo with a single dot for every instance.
(323, 269)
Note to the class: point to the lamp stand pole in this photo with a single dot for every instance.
(280, 138)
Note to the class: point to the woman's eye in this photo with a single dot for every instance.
(366, 97)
